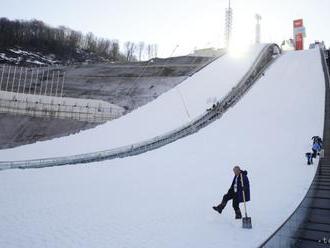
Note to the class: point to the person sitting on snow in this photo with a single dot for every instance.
(317, 139)
(235, 192)
(309, 157)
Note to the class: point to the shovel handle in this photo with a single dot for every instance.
(242, 183)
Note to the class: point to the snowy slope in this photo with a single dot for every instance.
(163, 198)
(169, 111)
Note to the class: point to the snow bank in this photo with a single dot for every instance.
(169, 111)
(163, 198)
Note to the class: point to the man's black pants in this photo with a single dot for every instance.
(231, 195)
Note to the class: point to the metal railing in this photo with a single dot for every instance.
(263, 60)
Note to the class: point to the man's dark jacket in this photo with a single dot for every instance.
(246, 184)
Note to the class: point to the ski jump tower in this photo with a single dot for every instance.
(258, 19)
(228, 25)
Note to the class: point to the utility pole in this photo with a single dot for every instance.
(228, 25)
(258, 28)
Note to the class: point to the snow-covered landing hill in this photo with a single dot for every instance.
(163, 198)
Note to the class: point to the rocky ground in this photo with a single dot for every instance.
(129, 85)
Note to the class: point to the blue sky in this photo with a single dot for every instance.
(189, 24)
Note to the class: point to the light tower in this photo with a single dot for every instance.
(258, 29)
(228, 25)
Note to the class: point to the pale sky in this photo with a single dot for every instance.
(189, 24)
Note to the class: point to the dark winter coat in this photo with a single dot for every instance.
(316, 147)
(246, 184)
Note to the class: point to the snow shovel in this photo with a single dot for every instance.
(247, 223)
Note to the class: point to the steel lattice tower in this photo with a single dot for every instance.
(228, 25)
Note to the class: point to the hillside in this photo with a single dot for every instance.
(34, 42)
(42, 57)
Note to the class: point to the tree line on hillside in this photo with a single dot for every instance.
(63, 41)
(140, 51)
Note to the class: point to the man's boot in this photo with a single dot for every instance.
(219, 208)
(238, 214)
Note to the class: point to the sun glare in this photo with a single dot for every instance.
(237, 50)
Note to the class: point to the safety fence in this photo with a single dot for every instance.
(264, 59)
(42, 81)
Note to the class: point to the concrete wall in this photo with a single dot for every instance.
(58, 107)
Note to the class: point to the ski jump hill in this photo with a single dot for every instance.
(151, 177)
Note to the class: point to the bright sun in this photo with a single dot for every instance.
(238, 50)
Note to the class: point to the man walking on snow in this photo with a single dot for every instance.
(235, 192)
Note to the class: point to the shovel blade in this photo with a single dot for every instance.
(247, 223)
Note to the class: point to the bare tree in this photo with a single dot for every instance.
(115, 53)
(90, 42)
(150, 51)
(141, 49)
(155, 50)
(130, 48)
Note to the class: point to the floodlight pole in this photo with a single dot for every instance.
(258, 28)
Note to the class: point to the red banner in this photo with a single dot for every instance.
(298, 23)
